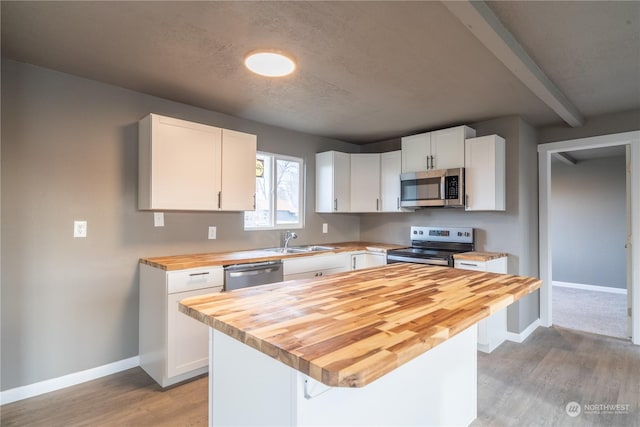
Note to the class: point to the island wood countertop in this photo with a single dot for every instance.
(180, 262)
(348, 329)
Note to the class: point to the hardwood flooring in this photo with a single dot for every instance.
(526, 384)
(128, 398)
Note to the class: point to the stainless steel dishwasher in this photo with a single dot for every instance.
(239, 276)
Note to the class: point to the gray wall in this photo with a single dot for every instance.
(69, 151)
(588, 222)
(514, 231)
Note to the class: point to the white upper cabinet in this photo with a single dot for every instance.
(365, 183)
(440, 149)
(447, 147)
(191, 166)
(485, 173)
(238, 184)
(390, 169)
(416, 152)
(333, 182)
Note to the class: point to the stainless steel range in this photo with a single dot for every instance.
(434, 245)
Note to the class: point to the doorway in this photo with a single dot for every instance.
(588, 237)
(545, 153)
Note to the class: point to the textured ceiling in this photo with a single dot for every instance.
(367, 71)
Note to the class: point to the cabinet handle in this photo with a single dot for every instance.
(199, 274)
(354, 263)
(254, 201)
(398, 201)
(466, 200)
(219, 199)
(335, 204)
(377, 204)
(428, 163)
(469, 264)
(432, 162)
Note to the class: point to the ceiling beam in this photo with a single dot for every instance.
(487, 28)
(565, 158)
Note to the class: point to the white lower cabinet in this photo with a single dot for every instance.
(492, 331)
(173, 347)
(315, 266)
(367, 259)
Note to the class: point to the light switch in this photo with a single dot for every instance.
(79, 228)
(325, 228)
(158, 219)
(212, 232)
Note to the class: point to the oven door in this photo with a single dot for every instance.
(419, 189)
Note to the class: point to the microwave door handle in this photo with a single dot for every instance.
(443, 196)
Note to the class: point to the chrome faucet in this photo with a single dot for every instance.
(288, 235)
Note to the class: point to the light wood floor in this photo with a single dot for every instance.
(526, 384)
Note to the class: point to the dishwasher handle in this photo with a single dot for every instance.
(255, 266)
(254, 272)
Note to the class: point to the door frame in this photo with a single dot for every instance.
(544, 180)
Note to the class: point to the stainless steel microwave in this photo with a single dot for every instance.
(444, 187)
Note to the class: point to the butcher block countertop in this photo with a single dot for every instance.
(180, 262)
(479, 256)
(348, 329)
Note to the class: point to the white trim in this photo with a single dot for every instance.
(36, 389)
(594, 288)
(519, 338)
(544, 175)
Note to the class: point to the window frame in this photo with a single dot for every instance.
(274, 157)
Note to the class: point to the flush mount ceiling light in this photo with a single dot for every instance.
(269, 63)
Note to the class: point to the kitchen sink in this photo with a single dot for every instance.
(301, 249)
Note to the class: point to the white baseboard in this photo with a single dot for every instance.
(590, 287)
(54, 384)
(519, 338)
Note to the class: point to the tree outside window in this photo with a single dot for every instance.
(279, 193)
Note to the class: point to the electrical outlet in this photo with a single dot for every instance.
(212, 232)
(325, 228)
(158, 219)
(79, 228)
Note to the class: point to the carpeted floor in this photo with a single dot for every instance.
(601, 313)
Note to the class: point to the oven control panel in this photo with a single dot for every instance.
(442, 234)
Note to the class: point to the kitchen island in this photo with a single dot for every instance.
(387, 345)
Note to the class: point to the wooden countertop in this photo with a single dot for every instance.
(348, 329)
(180, 262)
(479, 256)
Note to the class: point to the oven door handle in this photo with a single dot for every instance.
(399, 258)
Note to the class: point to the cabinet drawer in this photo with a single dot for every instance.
(316, 263)
(471, 265)
(194, 278)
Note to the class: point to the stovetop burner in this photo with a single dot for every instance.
(434, 245)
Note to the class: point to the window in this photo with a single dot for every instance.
(279, 193)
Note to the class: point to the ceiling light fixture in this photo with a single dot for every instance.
(270, 63)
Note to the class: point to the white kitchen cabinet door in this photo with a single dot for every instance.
(333, 182)
(447, 147)
(390, 169)
(367, 259)
(365, 182)
(238, 182)
(187, 338)
(492, 331)
(416, 152)
(179, 164)
(485, 166)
